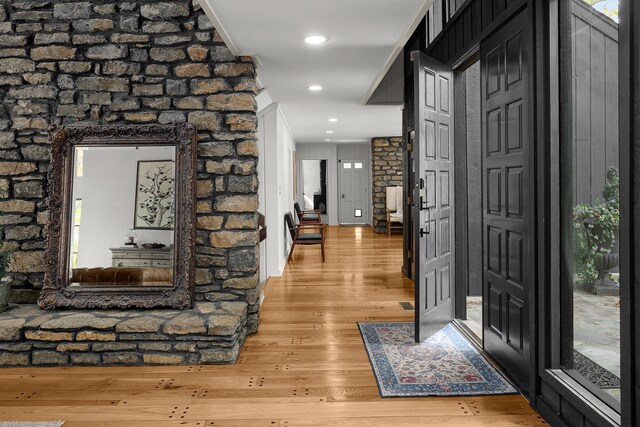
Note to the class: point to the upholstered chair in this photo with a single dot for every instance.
(394, 209)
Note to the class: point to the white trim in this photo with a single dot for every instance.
(219, 27)
(426, 4)
(267, 109)
(286, 124)
(274, 105)
(263, 100)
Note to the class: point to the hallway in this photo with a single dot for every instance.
(306, 366)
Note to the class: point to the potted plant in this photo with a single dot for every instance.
(5, 281)
(596, 229)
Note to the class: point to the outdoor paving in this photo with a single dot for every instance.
(596, 328)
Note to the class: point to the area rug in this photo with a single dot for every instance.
(445, 364)
(595, 373)
(31, 423)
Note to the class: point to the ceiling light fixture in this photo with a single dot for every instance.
(329, 131)
(315, 88)
(315, 39)
(333, 119)
(328, 139)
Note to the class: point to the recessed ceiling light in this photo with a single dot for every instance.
(333, 119)
(315, 88)
(328, 139)
(315, 39)
(329, 131)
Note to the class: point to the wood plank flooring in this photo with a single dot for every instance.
(306, 367)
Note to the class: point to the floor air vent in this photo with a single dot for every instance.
(406, 306)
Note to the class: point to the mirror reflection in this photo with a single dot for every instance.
(122, 217)
(314, 182)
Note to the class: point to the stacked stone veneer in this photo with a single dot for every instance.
(386, 158)
(147, 62)
(210, 333)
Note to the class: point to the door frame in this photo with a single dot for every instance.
(460, 173)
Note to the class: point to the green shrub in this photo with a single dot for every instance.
(596, 227)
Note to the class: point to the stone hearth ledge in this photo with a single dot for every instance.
(210, 333)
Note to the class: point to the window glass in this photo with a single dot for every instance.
(347, 165)
(357, 165)
(591, 215)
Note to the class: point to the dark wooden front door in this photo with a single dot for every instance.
(433, 195)
(507, 198)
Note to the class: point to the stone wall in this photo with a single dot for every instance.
(386, 158)
(210, 333)
(129, 62)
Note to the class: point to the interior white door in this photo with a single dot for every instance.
(353, 192)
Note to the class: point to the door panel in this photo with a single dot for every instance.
(507, 202)
(353, 192)
(432, 210)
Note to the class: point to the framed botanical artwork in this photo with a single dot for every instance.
(155, 195)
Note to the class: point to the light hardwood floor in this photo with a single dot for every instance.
(306, 366)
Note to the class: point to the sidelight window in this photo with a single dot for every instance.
(590, 216)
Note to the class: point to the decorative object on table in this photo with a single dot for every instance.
(596, 227)
(445, 364)
(155, 196)
(131, 238)
(153, 245)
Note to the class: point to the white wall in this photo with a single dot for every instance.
(108, 190)
(277, 148)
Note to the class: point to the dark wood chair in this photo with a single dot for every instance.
(307, 217)
(305, 234)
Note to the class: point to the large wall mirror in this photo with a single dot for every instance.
(314, 185)
(122, 217)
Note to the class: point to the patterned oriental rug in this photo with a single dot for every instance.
(31, 423)
(445, 364)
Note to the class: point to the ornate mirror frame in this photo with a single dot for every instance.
(55, 292)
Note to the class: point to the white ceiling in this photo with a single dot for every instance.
(364, 38)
